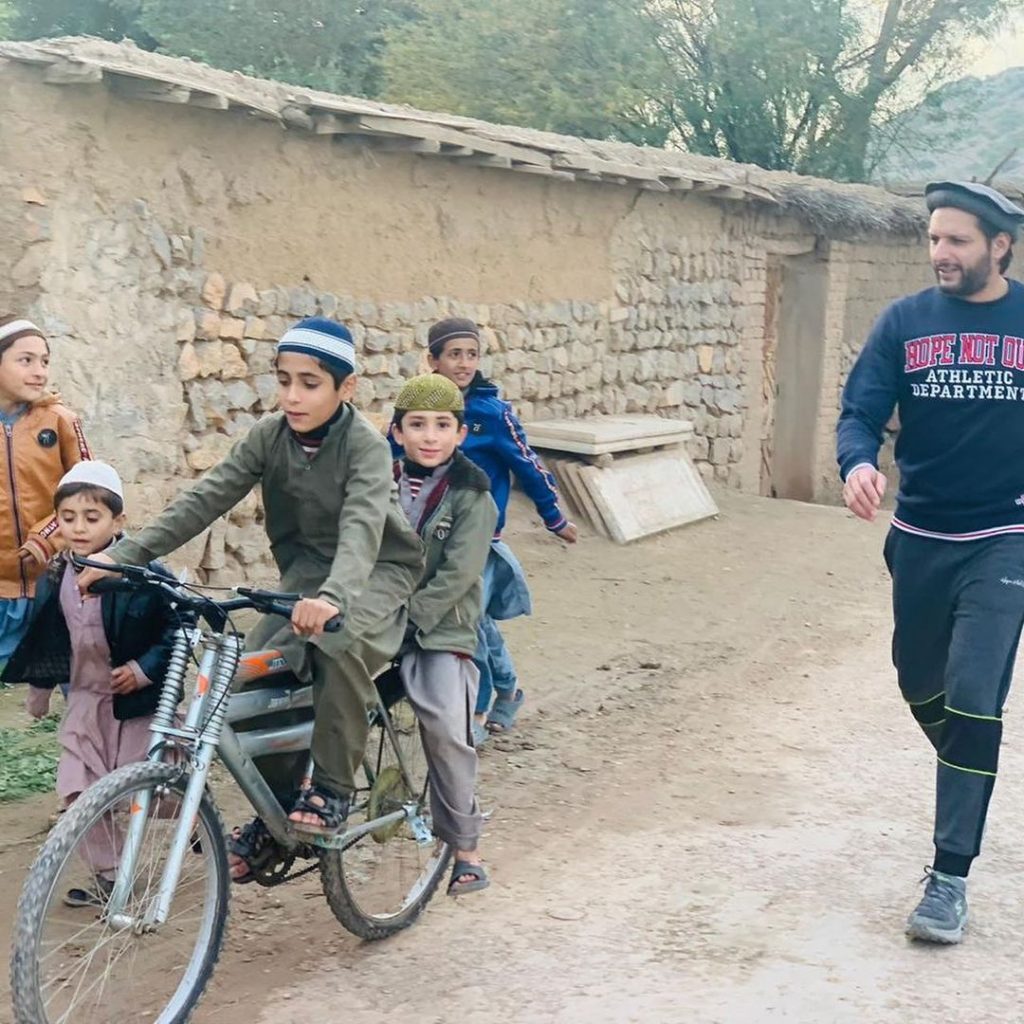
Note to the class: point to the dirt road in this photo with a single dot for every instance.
(715, 812)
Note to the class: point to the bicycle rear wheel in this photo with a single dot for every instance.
(381, 882)
(71, 965)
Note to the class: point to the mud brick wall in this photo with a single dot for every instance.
(165, 249)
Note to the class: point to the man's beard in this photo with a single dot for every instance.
(973, 279)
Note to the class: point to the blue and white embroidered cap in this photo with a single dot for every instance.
(322, 339)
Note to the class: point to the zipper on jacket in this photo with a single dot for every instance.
(9, 432)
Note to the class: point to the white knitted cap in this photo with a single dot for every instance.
(96, 473)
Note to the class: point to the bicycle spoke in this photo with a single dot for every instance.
(96, 972)
(381, 880)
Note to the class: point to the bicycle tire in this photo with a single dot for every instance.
(336, 865)
(95, 806)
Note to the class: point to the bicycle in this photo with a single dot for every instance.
(147, 951)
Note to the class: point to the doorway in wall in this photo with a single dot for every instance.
(792, 364)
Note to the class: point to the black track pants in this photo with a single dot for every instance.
(958, 608)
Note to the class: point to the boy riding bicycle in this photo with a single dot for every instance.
(338, 538)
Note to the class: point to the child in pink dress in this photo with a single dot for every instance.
(114, 649)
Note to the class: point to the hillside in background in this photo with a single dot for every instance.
(962, 130)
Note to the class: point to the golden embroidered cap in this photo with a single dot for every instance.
(430, 392)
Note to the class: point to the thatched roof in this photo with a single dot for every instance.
(827, 206)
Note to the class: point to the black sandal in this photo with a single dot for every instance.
(332, 810)
(96, 895)
(250, 844)
(477, 874)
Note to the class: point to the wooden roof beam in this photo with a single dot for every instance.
(486, 160)
(64, 71)
(148, 89)
(547, 172)
(425, 147)
(612, 168)
(209, 100)
(450, 137)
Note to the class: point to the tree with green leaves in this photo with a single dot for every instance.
(324, 44)
(108, 19)
(744, 79)
(789, 84)
(806, 85)
(580, 67)
(802, 84)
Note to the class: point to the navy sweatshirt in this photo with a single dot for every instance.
(955, 371)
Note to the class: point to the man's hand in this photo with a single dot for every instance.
(863, 492)
(123, 680)
(568, 533)
(88, 576)
(311, 614)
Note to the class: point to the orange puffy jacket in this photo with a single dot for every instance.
(36, 452)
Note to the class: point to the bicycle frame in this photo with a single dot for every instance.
(207, 734)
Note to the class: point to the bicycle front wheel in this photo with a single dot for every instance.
(73, 964)
(381, 882)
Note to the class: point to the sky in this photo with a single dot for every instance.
(1005, 51)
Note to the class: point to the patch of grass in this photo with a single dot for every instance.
(28, 759)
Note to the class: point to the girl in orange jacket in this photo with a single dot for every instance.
(42, 440)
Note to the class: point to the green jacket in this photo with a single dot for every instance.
(456, 532)
(334, 524)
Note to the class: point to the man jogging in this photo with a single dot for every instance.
(951, 359)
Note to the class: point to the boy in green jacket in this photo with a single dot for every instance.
(338, 538)
(447, 499)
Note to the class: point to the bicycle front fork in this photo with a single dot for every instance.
(213, 683)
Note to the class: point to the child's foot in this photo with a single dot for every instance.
(94, 895)
(319, 810)
(247, 847)
(468, 874)
(504, 712)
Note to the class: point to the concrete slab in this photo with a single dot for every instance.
(583, 497)
(603, 435)
(645, 494)
(566, 486)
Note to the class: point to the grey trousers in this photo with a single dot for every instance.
(442, 690)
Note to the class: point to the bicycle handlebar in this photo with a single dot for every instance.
(134, 577)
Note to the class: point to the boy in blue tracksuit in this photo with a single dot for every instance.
(497, 443)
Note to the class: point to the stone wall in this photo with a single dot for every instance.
(165, 249)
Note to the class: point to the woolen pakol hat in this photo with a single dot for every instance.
(430, 392)
(96, 474)
(447, 330)
(981, 200)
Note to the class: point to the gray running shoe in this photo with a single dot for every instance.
(941, 916)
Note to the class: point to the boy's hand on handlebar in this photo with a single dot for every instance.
(88, 576)
(311, 614)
